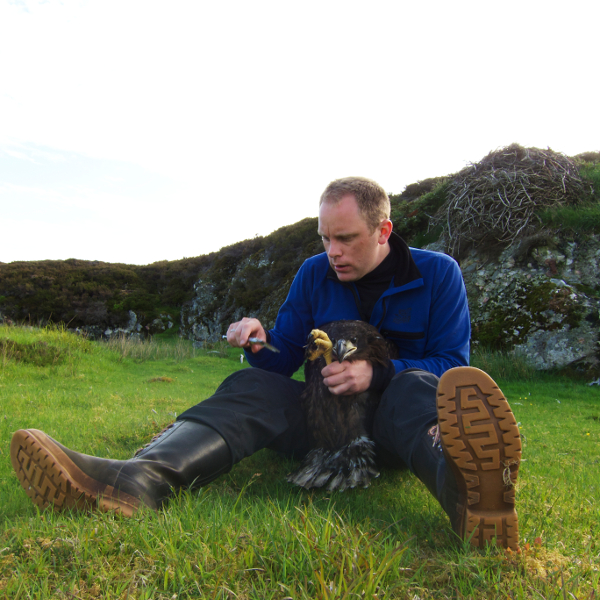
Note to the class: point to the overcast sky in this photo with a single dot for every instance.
(137, 131)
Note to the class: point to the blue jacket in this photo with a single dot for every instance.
(427, 318)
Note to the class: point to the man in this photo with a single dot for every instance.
(466, 449)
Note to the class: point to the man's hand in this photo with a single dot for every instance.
(238, 334)
(347, 378)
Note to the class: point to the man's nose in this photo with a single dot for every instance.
(334, 249)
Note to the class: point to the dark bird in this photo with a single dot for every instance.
(342, 454)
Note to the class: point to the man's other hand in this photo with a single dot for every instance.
(347, 378)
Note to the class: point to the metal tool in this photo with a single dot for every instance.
(262, 343)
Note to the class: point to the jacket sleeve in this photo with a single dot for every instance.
(449, 326)
(292, 326)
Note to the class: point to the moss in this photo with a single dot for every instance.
(582, 219)
(589, 291)
(412, 219)
(591, 173)
(522, 307)
(430, 236)
(40, 354)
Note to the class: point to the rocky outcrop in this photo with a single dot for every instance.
(249, 281)
(134, 328)
(206, 317)
(160, 324)
(539, 299)
(198, 322)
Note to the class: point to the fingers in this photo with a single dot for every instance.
(347, 378)
(239, 332)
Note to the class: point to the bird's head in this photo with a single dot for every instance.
(343, 349)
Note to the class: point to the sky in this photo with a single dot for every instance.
(133, 131)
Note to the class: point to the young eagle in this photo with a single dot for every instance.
(342, 455)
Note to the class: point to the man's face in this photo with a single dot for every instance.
(352, 249)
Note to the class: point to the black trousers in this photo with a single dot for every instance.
(254, 409)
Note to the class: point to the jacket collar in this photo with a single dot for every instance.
(406, 268)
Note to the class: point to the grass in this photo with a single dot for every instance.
(250, 534)
(144, 349)
(502, 365)
(591, 172)
(584, 218)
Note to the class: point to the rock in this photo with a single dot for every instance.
(537, 304)
(559, 348)
(133, 329)
(160, 324)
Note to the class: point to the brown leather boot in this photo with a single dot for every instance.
(186, 454)
(472, 466)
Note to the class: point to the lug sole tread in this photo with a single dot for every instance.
(51, 479)
(482, 443)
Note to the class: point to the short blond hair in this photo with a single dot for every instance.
(373, 201)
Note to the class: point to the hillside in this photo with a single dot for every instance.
(515, 199)
(98, 296)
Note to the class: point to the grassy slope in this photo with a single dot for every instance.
(251, 535)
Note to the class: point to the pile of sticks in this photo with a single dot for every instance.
(495, 200)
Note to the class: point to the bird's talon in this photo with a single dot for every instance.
(321, 345)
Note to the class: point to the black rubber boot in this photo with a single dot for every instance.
(186, 454)
(470, 460)
(431, 466)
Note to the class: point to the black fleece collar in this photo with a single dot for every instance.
(406, 270)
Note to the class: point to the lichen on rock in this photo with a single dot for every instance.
(536, 303)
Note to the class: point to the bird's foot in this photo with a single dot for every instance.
(351, 466)
(319, 344)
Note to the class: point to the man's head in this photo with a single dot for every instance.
(372, 199)
(355, 226)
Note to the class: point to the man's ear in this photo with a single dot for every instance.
(385, 230)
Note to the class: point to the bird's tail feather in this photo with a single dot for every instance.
(351, 466)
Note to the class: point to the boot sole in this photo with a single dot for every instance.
(51, 479)
(482, 445)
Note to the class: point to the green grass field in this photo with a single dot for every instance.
(252, 535)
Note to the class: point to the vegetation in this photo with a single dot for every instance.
(91, 293)
(584, 218)
(95, 296)
(412, 217)
(496, 199)
(250, 534)
(253, 277)
(419, 213)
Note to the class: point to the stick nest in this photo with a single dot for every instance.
(495, 199)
